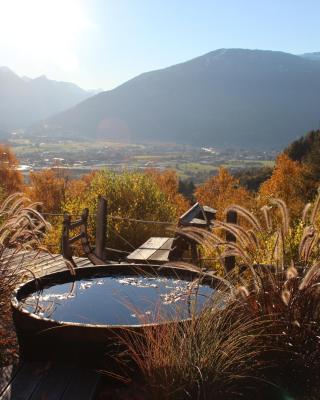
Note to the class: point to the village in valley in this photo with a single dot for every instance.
(79, 157)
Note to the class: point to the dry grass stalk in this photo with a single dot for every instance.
(214, 355)
(21, 229)
(273, 306)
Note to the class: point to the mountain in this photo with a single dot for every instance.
(228, 97)
(24, 101)
(312, 56)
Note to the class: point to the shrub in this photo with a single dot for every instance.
(129, 195)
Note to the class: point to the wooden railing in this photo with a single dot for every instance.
(100, 254)
(67, 241)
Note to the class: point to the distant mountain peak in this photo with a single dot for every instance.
(3, 68)
(42, 77)
(7, 71)
(25, 101)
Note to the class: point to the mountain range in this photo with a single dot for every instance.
(228, 97)
(24, 101)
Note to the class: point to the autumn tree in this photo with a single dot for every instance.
(48, 187)
(130, 195)
(168, 183)
(289, 182)
(221, 191)
(11, 180)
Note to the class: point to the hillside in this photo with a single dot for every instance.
(25, 101)
(307, 150)
(312, 56)
(250, 98)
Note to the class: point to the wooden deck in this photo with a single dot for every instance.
(41, 380)
(43, 263)
(45, 381)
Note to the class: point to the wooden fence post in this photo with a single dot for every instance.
(230, 262)
(66, 250)
(101, 227)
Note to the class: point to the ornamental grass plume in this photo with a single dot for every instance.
(277, 278)
(21, 229)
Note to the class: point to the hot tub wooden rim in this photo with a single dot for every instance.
(83, 272)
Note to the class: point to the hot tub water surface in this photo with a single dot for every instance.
(119, 300)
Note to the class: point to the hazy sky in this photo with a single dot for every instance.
(102, 43)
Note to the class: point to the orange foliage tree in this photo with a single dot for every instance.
(221, 191)
(289, 182)
(168, 183)
(49, 187)
(11, 180)
(130, 195)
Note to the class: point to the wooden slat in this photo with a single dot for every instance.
(61, 264)
(24, 254)
(167, 245)
(53, 263)
(48, 258)
(34, 263)
(9, 253)
(154, 243)
(155, 249)
(25, 382)
(80, 258)
(208, 209)
(197, 221)
(54, 383)
(7, 374)
(83, 385)
(75, 238)
(141, 254)
(160, 255)
(58, 267)
(20, 260)
(43, 262)
(53, 271)
(84, 263)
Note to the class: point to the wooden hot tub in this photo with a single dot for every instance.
(85, 326)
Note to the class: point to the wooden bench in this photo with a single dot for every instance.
(154, 250)
(160, 250)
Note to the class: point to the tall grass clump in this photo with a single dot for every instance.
(21, 228)
(277, 277)
(217, 354)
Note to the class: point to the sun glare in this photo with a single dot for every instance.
(44, 29)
